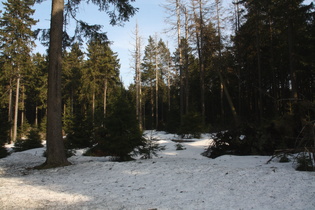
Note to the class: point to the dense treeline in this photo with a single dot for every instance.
(257, 72)
(252, 70)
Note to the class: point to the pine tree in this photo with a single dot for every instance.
(36, 89)
(73, 64)
(121, 134)
(17, 40)
(101, 72)
(149, 76)
(55, 147)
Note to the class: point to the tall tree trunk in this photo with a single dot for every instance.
(56, 155)
(156, 87)
(93, 103)
(23, 106)
(178, 8)
(152, 104)
(237, 27)
(293, 79)
(200, 44)
(168, 88)
(258, 44)
(140, 102)
(10, 114)
(186, 62)
(16, 108)
(36, 116)
(229, 99)
(105, 96)
(138, 77)
(222, 86)
(222, 81)
(275, 79)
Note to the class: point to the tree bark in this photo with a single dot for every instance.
(56, 155)
(10, 114)
(23, 106)
(105, 96)
(180, 60)
(222, 81)
(156, 87)
(292, 60)
(186, 62)
(16, 108)
(137, 58)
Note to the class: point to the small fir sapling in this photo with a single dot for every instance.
(179, 146)
(150, 148)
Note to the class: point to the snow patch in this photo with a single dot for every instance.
(175, 180)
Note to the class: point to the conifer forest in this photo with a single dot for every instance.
(246, 69)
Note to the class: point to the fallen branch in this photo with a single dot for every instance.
(281, 152)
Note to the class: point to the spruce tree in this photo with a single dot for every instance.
(101, 72)
(122, 11)
(73, 63)
(149, 76)
(17, 40)
(36, 89)
(121, 134)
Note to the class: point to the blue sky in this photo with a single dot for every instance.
(150, 18)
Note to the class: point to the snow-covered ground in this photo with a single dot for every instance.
(175, 180)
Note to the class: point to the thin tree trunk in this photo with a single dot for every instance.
(237, 26)
(180, 60)
(260, 103)
(23, 106)
(200, 44)
(10, 114)
(156, 87)
(93, 104)
(168, 76)
(36, 116)
(229, 99)
(169, 90)
(16, 108)
(220, 56)
(186, 63)
(140, 96)
(292, 60)
(152, 104)
(223, 84)
(55, 148)
(105, 96)
(138, 77)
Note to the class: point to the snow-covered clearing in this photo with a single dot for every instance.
(175, 180)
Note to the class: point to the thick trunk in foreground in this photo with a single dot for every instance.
(56, 156)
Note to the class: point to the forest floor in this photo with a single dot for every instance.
(176, 179)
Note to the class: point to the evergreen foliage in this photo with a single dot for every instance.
(191, 126)
(264, 74)
(179, 146)
(80, 133)
(4, 134)
(121, 134)
(17, 41)
(149, 149)
(32, 141)
(305, 162)
(290, 131)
